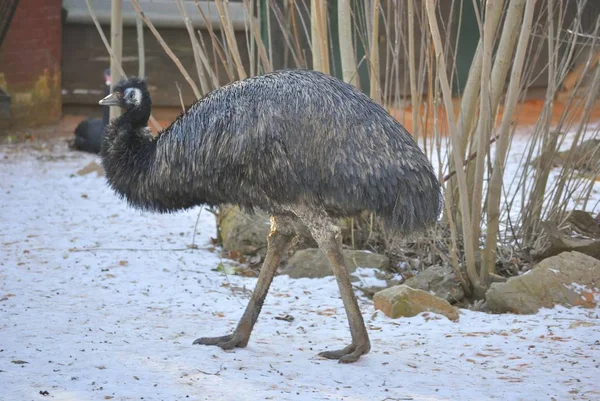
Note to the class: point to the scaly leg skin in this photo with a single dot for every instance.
(328, 236)
(281, 234)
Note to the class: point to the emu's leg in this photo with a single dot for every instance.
(328, 236)
(282, 232)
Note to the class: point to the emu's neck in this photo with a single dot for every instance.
(138, 168)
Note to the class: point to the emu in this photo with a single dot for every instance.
(299, 144)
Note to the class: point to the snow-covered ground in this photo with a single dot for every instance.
(98, 302)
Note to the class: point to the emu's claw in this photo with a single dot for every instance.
(349, 354)
(230, 341)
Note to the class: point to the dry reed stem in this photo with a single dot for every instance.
(197, 50)
(510, 104)
(112, 55)
(375, 90)
(469, 241)
(475, 181)
(414, 95)
(167, 49)
(348, 58)
(215, 42)
(255, 32)
(230, 36)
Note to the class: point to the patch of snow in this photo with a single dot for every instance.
(98, 300)
(368, 277)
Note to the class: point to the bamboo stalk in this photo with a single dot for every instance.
(197, 50)
(506, 47)
(498, 79)
(414, 95)
(470, 93)
(139, 26)
(113, 57)
(230, 37)
(116, 44)
(269, 38)
(255, 31)
(468, 160)
(216, 45)
(315, 43)
(534, 209)
(483, 125)
(319, 35)
(375, 90)
(286, 34)
(348, 57)
(293, 10)
(555, 206)
(166, 48)
(119, 67)
(468, 111)
(469, 241)
(454, 251)
(495, 185)
(206, 63)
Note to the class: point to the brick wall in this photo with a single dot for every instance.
(30, 63)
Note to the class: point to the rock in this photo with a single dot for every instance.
(558, 242)
(440, 281)
(243, 233)
(569, 279)
(312, 263)
(403, 301)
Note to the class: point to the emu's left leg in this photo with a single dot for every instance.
(328, 236)
(281, 234)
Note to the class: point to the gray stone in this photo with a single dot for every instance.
(403, 301)
(569, 279)
(439, 280)
(312, 263)
(247, 234)
(243, 233)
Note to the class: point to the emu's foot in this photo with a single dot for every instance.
(349, 354)
(230, 341)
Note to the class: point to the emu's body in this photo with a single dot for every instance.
(299, 144)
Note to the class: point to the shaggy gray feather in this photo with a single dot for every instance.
(271, 142)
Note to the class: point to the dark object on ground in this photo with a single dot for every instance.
(5, 102)
(88, 135)
(89, 132)
(299, 144)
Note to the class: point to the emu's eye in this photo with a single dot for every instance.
(132, 96)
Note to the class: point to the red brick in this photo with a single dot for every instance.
(32, 46)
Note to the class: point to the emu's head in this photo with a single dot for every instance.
(131, 94)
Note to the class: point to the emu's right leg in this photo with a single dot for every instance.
(281, 234)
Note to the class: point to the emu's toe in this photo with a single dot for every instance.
(227, 342)
(348, 354)
(213, 340)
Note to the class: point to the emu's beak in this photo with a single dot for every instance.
(110, 100)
